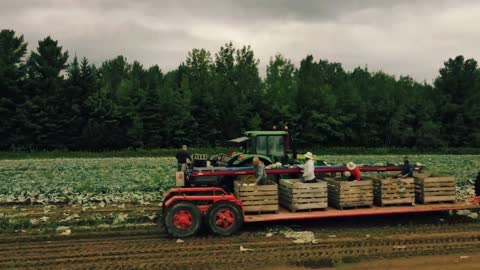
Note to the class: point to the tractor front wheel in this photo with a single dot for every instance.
(183, 219)
(224, 218)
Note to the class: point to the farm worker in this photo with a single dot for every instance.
(353, 172)
(407, 169)
(183, 157)
(308, 169)
(260, 174)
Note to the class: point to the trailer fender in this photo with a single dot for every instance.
(206, 200)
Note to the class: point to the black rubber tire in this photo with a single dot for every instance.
(196, 219)
(164, 214)
(212, 215)
(164, 209)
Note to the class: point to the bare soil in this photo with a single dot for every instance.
(444, 262)
(140, 248)
(469, 261)
(394, 242)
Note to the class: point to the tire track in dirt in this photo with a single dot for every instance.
(200, 242)
(161, 253)
(114, 261)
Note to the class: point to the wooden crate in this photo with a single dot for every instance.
(257, 198)
(434, 189)
(345, 194)
(296, 195)
(393, 191)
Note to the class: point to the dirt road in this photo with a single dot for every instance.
(149, 248)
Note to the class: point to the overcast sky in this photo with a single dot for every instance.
(399, 37)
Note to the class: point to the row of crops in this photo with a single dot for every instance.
(114, 180)
(143, 180)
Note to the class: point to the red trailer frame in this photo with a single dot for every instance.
(220, 195)
(284, 214)
(207, 197)
(204, 172)
(206, 201)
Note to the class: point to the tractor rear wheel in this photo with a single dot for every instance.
(224, 218)
(183, 219)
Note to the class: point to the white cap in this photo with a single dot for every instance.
(351, 166)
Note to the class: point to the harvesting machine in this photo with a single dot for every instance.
(204, 195)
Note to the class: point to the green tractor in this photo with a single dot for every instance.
(269, 146)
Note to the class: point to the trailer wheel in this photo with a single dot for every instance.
(183, 219)
(224, 218)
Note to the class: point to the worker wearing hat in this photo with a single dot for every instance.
(353, 172)
(308, 169)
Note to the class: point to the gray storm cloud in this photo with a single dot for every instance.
(398, 37)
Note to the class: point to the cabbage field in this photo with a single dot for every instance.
(84, 180)
(65, 195)
(144, 180)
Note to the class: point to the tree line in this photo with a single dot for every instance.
(50, 100)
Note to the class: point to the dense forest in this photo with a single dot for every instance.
(51, 100)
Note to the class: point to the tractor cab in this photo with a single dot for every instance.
(269, 146)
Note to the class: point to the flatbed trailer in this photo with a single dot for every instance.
(186, 210)
(285, 215)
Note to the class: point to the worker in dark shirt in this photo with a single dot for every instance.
(183, 157)
(407, 169)
(260, 174)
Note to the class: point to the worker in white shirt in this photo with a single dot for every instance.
(308, 169)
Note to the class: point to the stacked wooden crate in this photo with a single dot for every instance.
(390, 191)
(346, 194)
(257, 198)
(433, 189)
(296, 195)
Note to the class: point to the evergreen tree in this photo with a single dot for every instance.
(72, 108)
(280, 92)
(101, 129)
(12, 72)
(248, 87)
(351, 112)
(43, 114)
(457, 94)
(317, 103)
(150, 110)
(238, 88)
(207, 100)
(175, 98)
(130, 96)
(231, 115)
(200, 73)
(112, 73)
